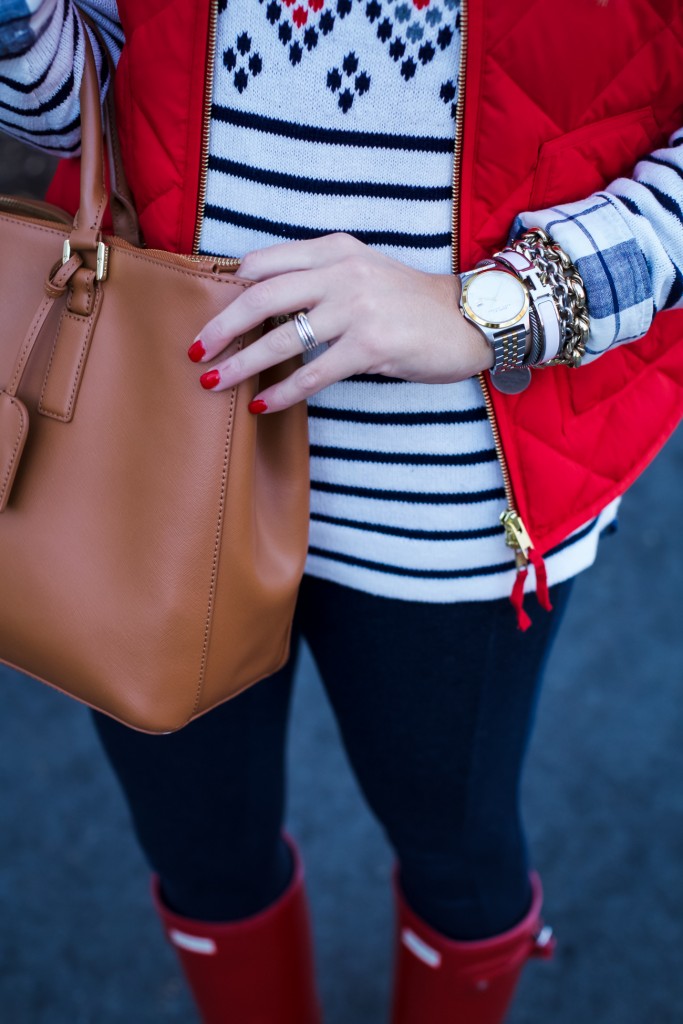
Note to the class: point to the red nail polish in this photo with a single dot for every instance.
(257, 406)
(196, 351)
(210, 380)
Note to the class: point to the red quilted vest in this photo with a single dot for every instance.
(560, 98)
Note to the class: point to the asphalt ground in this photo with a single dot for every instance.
(603, 798)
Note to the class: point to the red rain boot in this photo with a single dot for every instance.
(258, 970)
(441, 981)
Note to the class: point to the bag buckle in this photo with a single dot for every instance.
(102, 258)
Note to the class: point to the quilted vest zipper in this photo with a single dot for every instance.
(206, 124)
(457, 151)
(231, 262)
(516, 534)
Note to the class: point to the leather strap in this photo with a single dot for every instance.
(88, 221)
(13, 414)
(68, 358)
(54, 288)
(121, 203)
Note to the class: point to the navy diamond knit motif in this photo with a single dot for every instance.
(413, 31)
(447, 94)
(348, 81)
(301, 23)
(243, 61)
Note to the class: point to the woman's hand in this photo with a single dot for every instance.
(378, 316)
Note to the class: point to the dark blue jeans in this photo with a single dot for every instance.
(435, 705)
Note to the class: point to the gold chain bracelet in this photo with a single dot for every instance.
(559, 273)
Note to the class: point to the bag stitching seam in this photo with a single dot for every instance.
(216, 553)
(8, 472)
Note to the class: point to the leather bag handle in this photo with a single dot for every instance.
(86, 233)
(121, 203)
(88, 220)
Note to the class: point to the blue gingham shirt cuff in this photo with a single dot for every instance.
(611, 263)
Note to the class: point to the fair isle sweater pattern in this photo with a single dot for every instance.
(413, 33)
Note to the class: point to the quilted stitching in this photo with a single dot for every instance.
(504, 68)
(516, 45)
(550, 128)
(157, 82)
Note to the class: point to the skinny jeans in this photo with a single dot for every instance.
(435, 705)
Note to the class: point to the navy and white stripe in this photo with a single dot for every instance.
(345, 134)
(41, 65)
(406, 494)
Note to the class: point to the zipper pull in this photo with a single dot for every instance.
(517, 599)
(516, 536)
(541, 580)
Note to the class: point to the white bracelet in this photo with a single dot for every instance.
(540, 295)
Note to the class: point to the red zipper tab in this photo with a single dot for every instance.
(517, 538)
(542, 592)
(517, 600)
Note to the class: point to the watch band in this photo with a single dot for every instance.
(509, 347)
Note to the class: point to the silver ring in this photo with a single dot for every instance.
(305, 332)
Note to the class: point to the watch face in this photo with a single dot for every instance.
(496, 299)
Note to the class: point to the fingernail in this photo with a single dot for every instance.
(257, 406)
(210, 380)
(196, 351)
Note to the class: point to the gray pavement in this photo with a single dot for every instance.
(603, 796)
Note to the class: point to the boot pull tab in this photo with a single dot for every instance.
(544, 943)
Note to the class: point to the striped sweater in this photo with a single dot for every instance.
(334, 115)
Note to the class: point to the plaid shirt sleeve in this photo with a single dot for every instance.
(41, 62)
(627, 244)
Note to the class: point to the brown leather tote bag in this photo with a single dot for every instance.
(152, 535)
